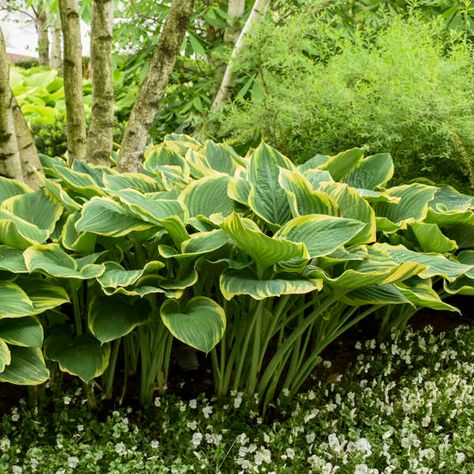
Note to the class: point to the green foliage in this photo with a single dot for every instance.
(403, 93)
(252, 259)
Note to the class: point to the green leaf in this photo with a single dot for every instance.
(375, 294)
(5, 356)
(12, 260)
(18, 233)
(111, 317)
(200, 323)
(27, 367)
(14, 302)
(25, 332)
(340, 165)
(267, 198)
(221, 157)
(431, 239)
(116, 276)
(137, 181)
(43, 293)
(52, 260)
(372, 172)
(11, 187)
(234, 283)
(207, 196)
(264, 250)
(322, 235)
(83, 356)
(83, 243)
(104, 216)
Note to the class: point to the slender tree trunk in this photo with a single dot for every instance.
(43, 39)
(228, 81)
(30, 162)
(56, 57)
(100, 138)
(75, 116)
(10, 164)
(235, 9)
(153, 88)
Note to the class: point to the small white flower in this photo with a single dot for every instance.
(207, 411)
(17, 469)
(120, 448)
(67, 400)
(362, 469)
(310, 438)
(193, 404)
(460, 457)
(157, 402)
(197, 438)
(154, 444)
(327, 364)
(72, 462)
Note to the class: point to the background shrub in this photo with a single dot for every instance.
(402, 89)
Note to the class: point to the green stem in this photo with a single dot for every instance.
(109, 374)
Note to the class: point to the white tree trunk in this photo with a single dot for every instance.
(153, 88)
(72, 62)
(43, 38)
(235, 9)
(228, 81)
(100, 138)
(55, 60)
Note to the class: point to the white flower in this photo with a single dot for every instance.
(67, 400)
(154, 444)
(460, 457)
(4, 444)
(17, 469)
(120, 448)
(197, 438)
(263, 456)
(157, 402)
(80, 428)
(72, 462)
(193, 403)
(310, 438)
(362, 469)
(15, 417)
(207, 411)
(327, 364)
(237, 401)
(363, 445)
(290, 453)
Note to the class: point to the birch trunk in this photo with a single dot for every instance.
(100, 138)
(55, 60)
(228, 81)
(29, 159)
(10, 164)
(235, 9)
(72, 63)
(153, 88)
(43, 39)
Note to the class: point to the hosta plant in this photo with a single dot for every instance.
(253, 260)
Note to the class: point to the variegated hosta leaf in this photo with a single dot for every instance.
(421, 294)
(83, 355)
(302, 198)
(43, 293)
(80, 242)
(5, 356)
(204, 242)
(373, 271)
(138, 181)
(52, 260)
(267, 198)
(412, 207)
(104, 216)
(150, 209)
(78, 183)
(18, 233)
(207, 196)
(116, 276)
(463, 234)
(375, 294)
(12, 260)
(55, 190)
(466, 257)
(14, 302)
(234, 283)
(11, 187)
(322, 235)
(163, 155)
(372, 172)
(239, 190)
(340, 165)
(111, 317)
(435, 264)
(352, 206)
(221, 157)
(27, 367)
(264, 250)
(24, 332)
(461, 286)
(200, 323)
(314, 163)
(431, 239)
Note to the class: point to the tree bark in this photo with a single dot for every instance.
(228, 81)
(10, 164)
(235, 9)
(153, 88)
(43, 39)
(29, 159)
(55, 60)
(72, 62)
(100, 138)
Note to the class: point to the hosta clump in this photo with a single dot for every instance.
(252, 259)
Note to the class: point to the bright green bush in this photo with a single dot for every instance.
(256, 262)
(407, 92)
